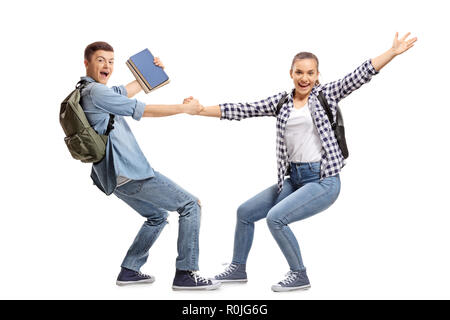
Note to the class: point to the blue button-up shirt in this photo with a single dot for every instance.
(123, 156)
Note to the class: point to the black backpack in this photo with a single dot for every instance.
(337, 126)
(83, 142)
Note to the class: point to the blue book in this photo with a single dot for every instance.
(149, 75)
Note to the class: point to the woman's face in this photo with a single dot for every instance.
(305, 75)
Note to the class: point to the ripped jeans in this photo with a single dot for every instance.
(152, 198)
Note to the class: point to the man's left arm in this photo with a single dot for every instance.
(133, 88)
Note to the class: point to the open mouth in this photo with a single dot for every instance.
(104, 74)
(303, 86)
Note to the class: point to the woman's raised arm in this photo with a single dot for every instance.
(339, 89)
(398, 47)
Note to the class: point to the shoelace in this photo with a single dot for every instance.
(229, 269)
(290, 277)
(197, 277)
(143, 275)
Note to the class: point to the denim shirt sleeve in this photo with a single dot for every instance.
(115, 101)
(120, 90)
(239, 111)
(339, 89)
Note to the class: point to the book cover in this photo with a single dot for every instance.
(148, 75)
(138, 77)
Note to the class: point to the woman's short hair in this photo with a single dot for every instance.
(305, 55)
(99, 45)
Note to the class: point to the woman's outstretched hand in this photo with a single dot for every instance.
(401, 45)
(398, 47)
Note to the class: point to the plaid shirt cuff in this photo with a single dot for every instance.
(223, 112)
(370, 67)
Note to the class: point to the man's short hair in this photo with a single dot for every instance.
(99, 45)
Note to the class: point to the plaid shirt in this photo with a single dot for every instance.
(332, 160)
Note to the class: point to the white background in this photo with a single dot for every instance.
(387, 235)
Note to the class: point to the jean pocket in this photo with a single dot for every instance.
(293, 173)
(314, 167)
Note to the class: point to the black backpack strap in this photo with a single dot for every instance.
(280, 103)
(110, 124)
(81, 84)
(326, 107)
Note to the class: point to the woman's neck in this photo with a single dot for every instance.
(301, 98)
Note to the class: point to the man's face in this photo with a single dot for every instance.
(101, 66)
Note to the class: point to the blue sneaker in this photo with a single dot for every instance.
(233, 273)
(294, 280)
(127, 276)
(190, 280)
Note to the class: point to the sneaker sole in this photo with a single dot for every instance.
(127, 283)
(232, 280)
(210, 287)
(286, 289)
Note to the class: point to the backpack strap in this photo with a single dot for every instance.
(323, 101)
(110, 124)
(326, 107)
(83, 84)
(280, 103)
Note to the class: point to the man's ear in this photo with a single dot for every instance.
(86, 63)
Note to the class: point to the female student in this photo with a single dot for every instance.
(307, 151)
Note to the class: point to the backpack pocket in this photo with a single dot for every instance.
(86, 145)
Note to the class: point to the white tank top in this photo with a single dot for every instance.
(301, 136)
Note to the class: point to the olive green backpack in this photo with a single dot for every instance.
(83, 142)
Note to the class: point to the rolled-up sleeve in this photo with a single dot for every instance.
(115, 101)
(120, 90)
(339, 89)
(139, 110)
(239, 111)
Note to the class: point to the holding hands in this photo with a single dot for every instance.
(192, 106)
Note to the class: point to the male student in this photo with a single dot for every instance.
(126, 172)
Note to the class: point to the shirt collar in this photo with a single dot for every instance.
(317, 88)
(87, 78)
(291, 94)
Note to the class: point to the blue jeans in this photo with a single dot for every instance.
(152, 198)
(303, 195)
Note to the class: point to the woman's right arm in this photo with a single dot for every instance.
(213, 111)
(239, 111)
